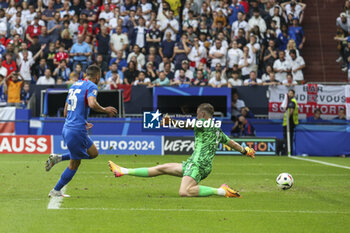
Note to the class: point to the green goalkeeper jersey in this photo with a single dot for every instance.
(206, 142)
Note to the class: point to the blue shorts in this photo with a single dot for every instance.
(77, 141)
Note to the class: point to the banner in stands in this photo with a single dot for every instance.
(25, 144)
(329, 99)
(7, 123)
(118, 145)
(185, 146)
(347, 100)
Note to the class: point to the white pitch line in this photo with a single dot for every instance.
(321, 162)
(233, 173)
(214, 210)
(55, 202)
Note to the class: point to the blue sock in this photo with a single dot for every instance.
(67, 175)
(65, 156)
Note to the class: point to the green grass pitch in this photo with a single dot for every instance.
(318, 202)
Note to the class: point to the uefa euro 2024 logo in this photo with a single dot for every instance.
(151, 120)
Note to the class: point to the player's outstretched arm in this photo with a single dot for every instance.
(94, 105)
(250, 152)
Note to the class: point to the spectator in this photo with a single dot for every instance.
(181, 50)
(9, 64)
(49, 12)
(78, 71)
(281, 67)
(153, 36)
(257, 20)
(296, 9)
(80, 53)
(234, 54)
(217, 54)
(103, 40)
(46, 79)
(266, 75)
(341, 115)
(14, 83)
(217, 81)
(296, 33)
(246, 63)
(316, 117)
(167, 47)
(40, 69)
(181, 78)
(272, 81)
(49, 55)
(234, 10)
(3, 99)
(139, 34)
(3, 70)
(118, 42)
(25, 63)
(291, 46)
(142, 80)
(54, 27)
(61, 55)
(219, 69)
(283, 38)
(161, 81)
(253, 80)
(101, 63)
(131, 73)
(243, 128)
(342, 23)
(44, 38)
(168, 71)
(170, 25)
(289, 82)
(199, 80)
(25, 94)
(270, 54)
(62, 71)
(114, 80)
(139, 56)
(198, 54)
(185, 67)
(33, 30)
(150, 71)
(234, 80)
(296, 65)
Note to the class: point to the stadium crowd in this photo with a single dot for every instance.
(343, 38)
(149, 42)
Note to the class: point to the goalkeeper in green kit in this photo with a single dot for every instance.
(199, 165)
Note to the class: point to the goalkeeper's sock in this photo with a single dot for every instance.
(67, 176)
(205, 191)
(142, 172)
(65, 157)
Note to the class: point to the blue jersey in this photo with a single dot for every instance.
(77, 99)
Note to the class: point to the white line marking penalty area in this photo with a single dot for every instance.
(321, 162)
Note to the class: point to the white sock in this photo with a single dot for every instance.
(59, 158)
(124, 170)
(221, 192)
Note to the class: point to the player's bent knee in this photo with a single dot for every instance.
(183, 193)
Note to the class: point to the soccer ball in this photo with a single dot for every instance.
(284, 181)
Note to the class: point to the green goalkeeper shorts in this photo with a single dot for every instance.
(194, 170)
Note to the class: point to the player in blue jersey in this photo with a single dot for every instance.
(81, 97)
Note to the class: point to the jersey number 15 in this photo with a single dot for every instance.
(72, 99)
